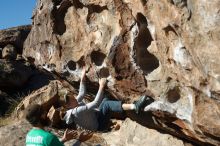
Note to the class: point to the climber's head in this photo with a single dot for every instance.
(35, 115)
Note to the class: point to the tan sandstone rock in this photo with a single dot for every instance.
(169, 48)
(9, 52)
(133, 134)
(54, 117)
(46, 96)
(15, 36)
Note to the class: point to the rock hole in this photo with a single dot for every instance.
(141, 19)
(147, 61)
(168, 79)
(104, 72)
(94, 9)
(77, 4)
(179, 3)
(97, 57)
(169, 28)
(52, 66)
(171, 1)
(173, 95)
(56, 2)
(41, 7)
(31, 60)
(143, 2)
(119, 78)
(59, 15)
(71, 65)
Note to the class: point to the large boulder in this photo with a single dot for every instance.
(15, 36)
(167, 48)
(134, 134)
(14, 134)
(9, 52)
(46, 96)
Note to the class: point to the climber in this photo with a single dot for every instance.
(38, 136)
(96, 114)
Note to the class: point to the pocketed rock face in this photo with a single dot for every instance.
(167, 48)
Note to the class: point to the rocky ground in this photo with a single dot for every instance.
(168, 49)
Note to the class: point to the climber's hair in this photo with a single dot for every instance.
(33, 114)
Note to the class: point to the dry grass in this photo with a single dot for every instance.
(5, 121)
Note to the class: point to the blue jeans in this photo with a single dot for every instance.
(106, 109)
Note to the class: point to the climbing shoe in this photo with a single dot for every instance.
(140, 103)
(149, 100)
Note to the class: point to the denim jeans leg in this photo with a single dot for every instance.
(107, 107)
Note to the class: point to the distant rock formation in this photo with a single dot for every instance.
(14, 36)
(9, 52)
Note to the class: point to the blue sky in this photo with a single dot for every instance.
(16, 12)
